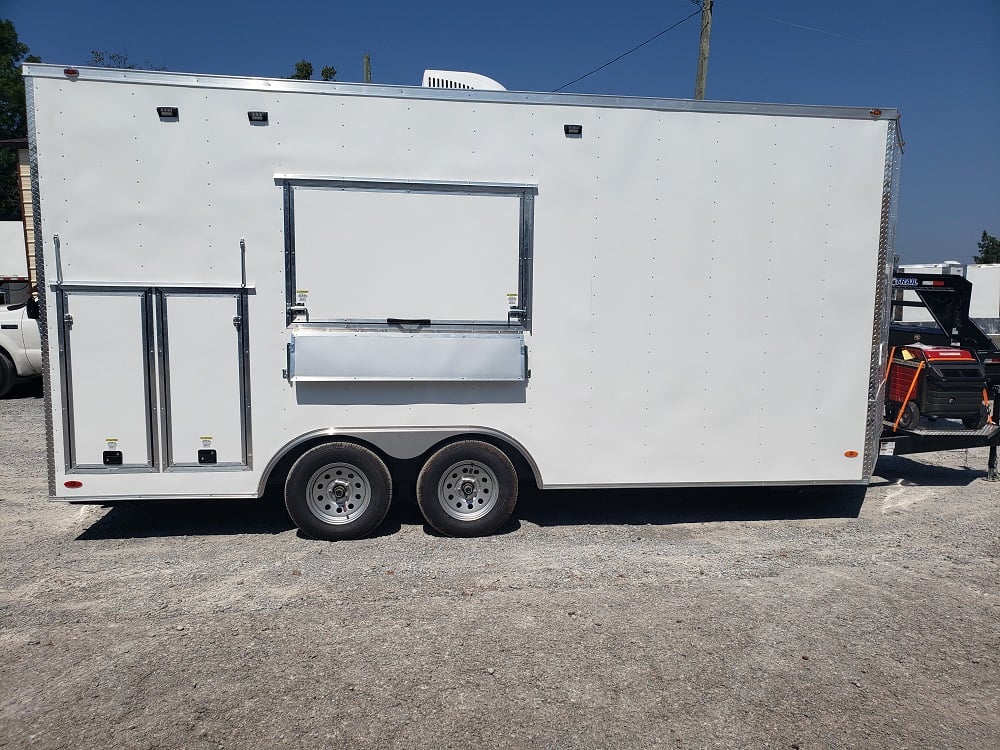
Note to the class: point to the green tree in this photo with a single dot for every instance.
(304, 72)
(989, 249)
(104, 59)
(13, 116)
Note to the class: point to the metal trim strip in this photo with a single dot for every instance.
(96, 286)
(106, 499)
(43, 312)
(245, 402)
(883, 306)
(708, 485)
(289, 205)
(322, 88)
(448, 187)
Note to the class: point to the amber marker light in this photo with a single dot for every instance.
(851, 454)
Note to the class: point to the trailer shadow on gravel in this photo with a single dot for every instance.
(175, 518)
(688, 505)
(27, 389)
(658, 507)
(907, 471)
(169, 518)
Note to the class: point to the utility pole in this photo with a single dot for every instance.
(706, 36)
(368, 68)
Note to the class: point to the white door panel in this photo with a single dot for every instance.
(202, 354)
(107, 367)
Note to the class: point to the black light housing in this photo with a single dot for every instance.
(576, 130)
(167, 111)
(257, 116)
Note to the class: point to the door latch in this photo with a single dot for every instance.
(294, 311)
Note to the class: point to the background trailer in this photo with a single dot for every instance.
(245, 276)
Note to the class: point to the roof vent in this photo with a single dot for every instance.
(453, 79)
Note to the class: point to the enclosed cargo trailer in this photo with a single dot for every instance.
(251, 280)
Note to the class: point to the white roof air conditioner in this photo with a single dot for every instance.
(453, 79)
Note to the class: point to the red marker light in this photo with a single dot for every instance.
(71, 72)
(73, 484)
(876, 113)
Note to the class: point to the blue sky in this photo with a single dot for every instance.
(938, 62)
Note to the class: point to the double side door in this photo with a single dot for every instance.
(155, 379)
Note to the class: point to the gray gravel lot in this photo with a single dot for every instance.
(717, 619)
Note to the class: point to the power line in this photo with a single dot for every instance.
(808, 28)
(626, 54)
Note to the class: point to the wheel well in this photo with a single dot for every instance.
(524, 468)
(279, 471)
(404, 470)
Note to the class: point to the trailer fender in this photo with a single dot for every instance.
(401, 443)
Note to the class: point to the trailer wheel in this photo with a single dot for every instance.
(977, 422)
(338, 491)
(911, 416)
(467, 488)
(8, 373)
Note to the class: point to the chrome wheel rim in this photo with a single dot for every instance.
(468, 490)
(338, 493)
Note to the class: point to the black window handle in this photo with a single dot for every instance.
(408, 321)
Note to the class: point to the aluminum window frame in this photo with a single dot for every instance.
(518, 319)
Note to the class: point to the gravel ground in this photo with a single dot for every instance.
(690, 619)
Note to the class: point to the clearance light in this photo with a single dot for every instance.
(876, 113)
(71, 72)
(73, 484)
(851, 454)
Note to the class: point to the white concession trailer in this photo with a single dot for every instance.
(251, 281)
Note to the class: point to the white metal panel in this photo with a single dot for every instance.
(13, 260)
(327, 355)
(107, 356)
(373, 255)
(704, 283)
(985, 278)
(203, 378)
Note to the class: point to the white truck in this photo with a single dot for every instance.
(20, 347)
(323, 284)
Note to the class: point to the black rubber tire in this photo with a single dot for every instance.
(440, 462)
(978, 422)
(911, 416)
(376, 473)
(8, 374)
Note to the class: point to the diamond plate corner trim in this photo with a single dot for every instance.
(43, 325)
(883, 308)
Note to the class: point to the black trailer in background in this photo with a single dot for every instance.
(946, 298)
